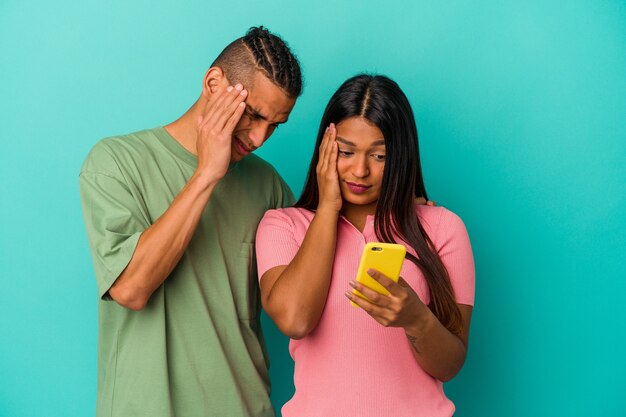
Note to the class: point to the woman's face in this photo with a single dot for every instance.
(360, 161)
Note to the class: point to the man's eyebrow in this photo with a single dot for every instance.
(257, 114)
(347, 142)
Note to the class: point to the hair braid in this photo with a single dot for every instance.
(273, 56)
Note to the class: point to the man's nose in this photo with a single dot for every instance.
(259, 134)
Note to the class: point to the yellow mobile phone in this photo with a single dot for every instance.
(384, 257)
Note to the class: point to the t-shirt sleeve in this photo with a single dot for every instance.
(285, 195)
(275, 241)
(455, 252)
(113, 221)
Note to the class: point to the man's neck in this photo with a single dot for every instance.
(185, 128)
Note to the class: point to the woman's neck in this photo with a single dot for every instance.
(357, 214)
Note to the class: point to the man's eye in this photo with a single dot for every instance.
(344, 153)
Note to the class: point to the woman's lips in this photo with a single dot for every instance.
(357, 188)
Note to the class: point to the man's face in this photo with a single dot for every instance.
(267, 106)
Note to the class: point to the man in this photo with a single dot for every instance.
(171, 215)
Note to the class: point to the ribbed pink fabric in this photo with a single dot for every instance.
(350, 365)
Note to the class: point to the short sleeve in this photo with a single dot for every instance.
(113, 221)
(455, 252)
(276, 244)
(285, 196)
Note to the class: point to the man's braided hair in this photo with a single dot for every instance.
(260, 50)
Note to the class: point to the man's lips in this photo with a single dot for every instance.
(357, 188)
(241, 148)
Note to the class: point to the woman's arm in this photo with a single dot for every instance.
(294, 295)
(437, 350)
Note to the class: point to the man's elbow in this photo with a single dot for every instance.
(127, 298)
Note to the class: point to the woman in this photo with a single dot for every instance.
(391, 356)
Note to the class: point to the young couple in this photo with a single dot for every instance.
(172, 214)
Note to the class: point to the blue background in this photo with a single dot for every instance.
(521, 111)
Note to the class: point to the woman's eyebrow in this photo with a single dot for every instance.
(378, 142)
(345, 141)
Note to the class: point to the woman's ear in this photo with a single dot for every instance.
(214, 82)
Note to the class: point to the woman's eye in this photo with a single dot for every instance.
(379, 157)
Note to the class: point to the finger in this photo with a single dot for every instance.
(376, 312)
(328, 151)
(360, 301)
(324, 141)
(332, 139)
(403, 283)
(334, 152)
(420, 201)
(222, 110)
(234, 118)
(230, 109)
(431, 203)
(210, 110)
(373, 296)
(322, 158)
(385, 281)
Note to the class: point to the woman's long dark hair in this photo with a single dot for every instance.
(381, 101)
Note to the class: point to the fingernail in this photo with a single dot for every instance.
(371, 272)
(244, 92)
(352, 284)
(239, 87)
(230, 88)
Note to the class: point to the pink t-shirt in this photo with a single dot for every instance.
(350, 365)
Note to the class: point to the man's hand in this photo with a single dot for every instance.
(215, 130)
(422, 201)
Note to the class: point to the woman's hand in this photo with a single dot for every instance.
(437, 350)
(327, 177)
(401, 308)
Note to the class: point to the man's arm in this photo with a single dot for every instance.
(161, 245)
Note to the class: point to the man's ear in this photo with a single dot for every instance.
(214, 82)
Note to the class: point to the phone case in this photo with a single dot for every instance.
(384, 257)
